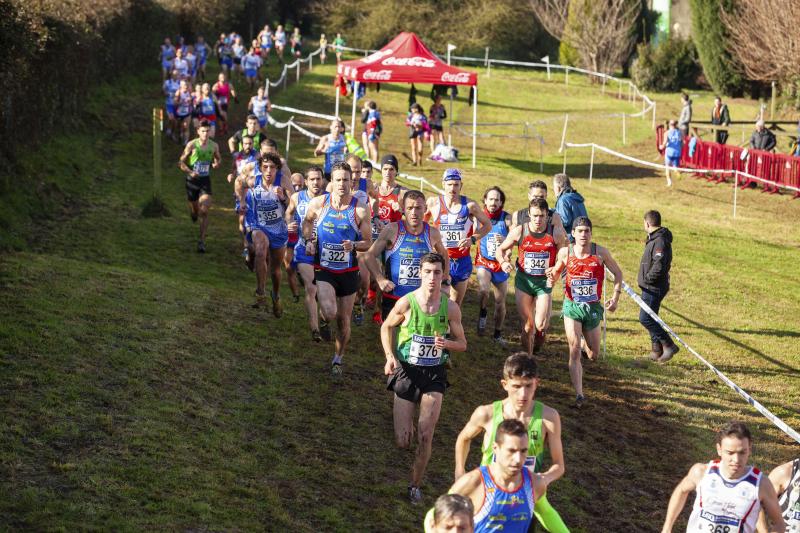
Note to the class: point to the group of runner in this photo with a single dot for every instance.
(356, 244)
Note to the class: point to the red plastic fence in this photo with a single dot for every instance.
(780, 170)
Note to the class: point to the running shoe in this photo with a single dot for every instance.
(358, 314)
(370, 299)
(193, 215)
(538, 341)
(500, 341)
(336, 370)
(580, 401)
(277, 308)
(481, 325)
(414, 495)
(261, 301)
(296, 298)
(315, 336)
(325, 330)
(377, 318)
(201, 247)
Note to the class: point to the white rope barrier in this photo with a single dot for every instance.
(303, 112)
(758, 406)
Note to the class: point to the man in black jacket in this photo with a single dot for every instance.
(762, 138)
(654, 281)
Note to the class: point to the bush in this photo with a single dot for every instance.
(668, 66)
(713, 45)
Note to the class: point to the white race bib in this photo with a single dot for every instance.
(202, 167)
(452, 235)
(713, 523)
(491, 246)
(333, 256)
(423, 352)
(535, 263)
(408, 273)
(268, 214)
(584, 290)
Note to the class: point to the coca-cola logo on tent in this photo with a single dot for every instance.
(377, 56)
(409, 61)
(458, 77)
(378, 75)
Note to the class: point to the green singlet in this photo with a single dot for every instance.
(415, 340)
(535, 436)
(201, 158)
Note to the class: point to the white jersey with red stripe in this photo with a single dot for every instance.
(726, 505)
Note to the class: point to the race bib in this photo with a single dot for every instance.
(423, 352)
(452, 235)
(718, 524)
(408, 275)
(584, 290)
(491, 246)
(223, 100)
(268, 214)
(535, 263)
(375, 230)
(336, 157)
(333, 256)
(202, 167)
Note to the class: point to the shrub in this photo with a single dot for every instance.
(713, 45)
(668, 66)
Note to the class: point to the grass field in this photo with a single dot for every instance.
(141, 391)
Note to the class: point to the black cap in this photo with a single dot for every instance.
(389, 159)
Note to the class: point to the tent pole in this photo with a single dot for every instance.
(336, 111)
(474, 122)
(353, 117)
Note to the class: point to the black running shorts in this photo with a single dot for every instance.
(196, 187)
(344, 283)
(410, 382)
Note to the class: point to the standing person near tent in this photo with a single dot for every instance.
(491, 276)
(720, 116)
(323, 48)
(304, 263)
(261, 107)
(730, 493)
(456, 216)
(338, 45)
(370, 138)
(436, 118)
(429, 329)
(336, 226)
(417, 127)
(333, 145)
(583, 309)
(569, 203)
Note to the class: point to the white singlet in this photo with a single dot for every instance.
(726, 505)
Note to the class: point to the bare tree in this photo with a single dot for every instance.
(602, 31)
(765, 38)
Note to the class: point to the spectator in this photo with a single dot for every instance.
(720, 117)
(686, 114)
(672, 146)
(653, 279)
(569, 203)
(762, 138)
(796, 144)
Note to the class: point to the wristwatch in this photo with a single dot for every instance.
(472, 239)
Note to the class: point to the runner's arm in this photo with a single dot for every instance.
(396, 317)
(291, 223)
(457, 341)
(362, 212)
(485, 224)
(470, 485)
(780, 477)
(769, 504)
(505, 248)
(559, 233)
(380, 244)
(182, 162)
(552, 422)
(561, 262)
(217, 157)
(617, 272)
(475, 426)
(438, 247)
(232, 142)
(308, 224)
(322, 145)
(681, 492)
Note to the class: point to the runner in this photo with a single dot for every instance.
(239, 50)
(280, 42)
(264, 204)
(251, 62)
(457, 229)
(246, 156)
(201, 49)
(297, 43)
(208, 108)
(537, 250)
(451, 514)
(436, 118)
(786, 481)
(538, 189)
(197, 160)
(166, 54)
(296, 183)
(520, 381)
(180, 64)
(342, 228)
(371, 136)
(323, 48)
(260, 106)
(489, 273)
(504, 491)
(400, 246)
(430, 328)
(269, 146)
(265, 38)
(338, 45)
(333, 145)
(191, 60)
(304, 263)
(184, 104)
(417, 127)
(583, 296)
(224, 91)
(389, 195)
(730, 493)
(170, 87)
(251, 128)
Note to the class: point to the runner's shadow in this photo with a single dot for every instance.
(740, 344)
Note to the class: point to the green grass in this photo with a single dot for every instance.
(141, 392)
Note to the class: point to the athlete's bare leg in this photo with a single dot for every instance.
(592, 342)
(345, 310)
(574, 330)
(542, 317)
(525, 306)
(261, 245)
(499, 292)
(275, 261)
(291, 274)
(484, 286)
(429, 408)
(306, 272)
(457, 292)
(403, 414)
(203, 204)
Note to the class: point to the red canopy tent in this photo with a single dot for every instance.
(406, 59)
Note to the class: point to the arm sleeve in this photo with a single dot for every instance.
(658, 263)
(771, 142)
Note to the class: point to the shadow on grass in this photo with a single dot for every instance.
(601, 170)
